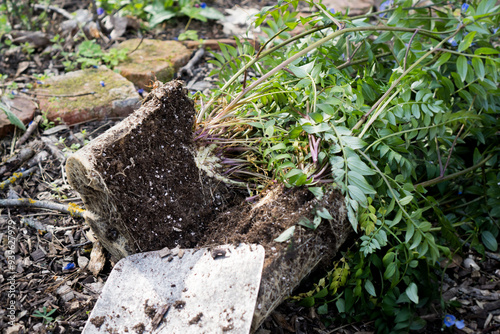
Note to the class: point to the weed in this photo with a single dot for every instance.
(44, 314)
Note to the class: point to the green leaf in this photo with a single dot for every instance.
(308, 302)
(317, 191)
(340, 303)
(486, 51)
(412, 292)
(478, 66)
(462, 67)
(306, 223)
(443, 59)
(489, 240)
(390, 270)
(353, 142)
(416, 240)
(312, 129)
(370, 288)
(406, 200)
(323, 309)
(160, 17)
(417, 324)
(355, 164)
(286, 235)
(323, 213)
(476, 158)
(13, 119)
(357, 194)
(398, 14)
(212, 13)
(465, 43)
(321, 293)
(358, 180)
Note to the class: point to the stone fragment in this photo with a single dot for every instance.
(88, 94)
(82, 261)
(65, 293)
(38, 254)
(15, 329)
(22, 107)
(152, 60)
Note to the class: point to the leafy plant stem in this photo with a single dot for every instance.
(316, 45)
(460, 53)
(329, 15)
(454, 175)
(379, 111)
(390, 189)
(408, 48)
(398, 80)
(451, 150)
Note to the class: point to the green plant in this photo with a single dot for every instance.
(189, 34)
(13, 119)
(90, 54)
(46, 124)
(46, 316)
(27, 49)
(5, 26)
(127, 7)
(396, 109)
(161, 11)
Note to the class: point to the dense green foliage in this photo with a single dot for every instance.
(398, 110)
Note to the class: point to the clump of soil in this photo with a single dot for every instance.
(146, 191)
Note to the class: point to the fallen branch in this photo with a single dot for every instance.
(61, 11)
(188, 68)
(17, 176)
(454, 175)
(17, 160)
(72, 209)
(31, 128)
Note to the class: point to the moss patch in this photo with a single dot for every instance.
(81, 92)
(152, 60)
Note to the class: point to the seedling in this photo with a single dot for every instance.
(44, 314)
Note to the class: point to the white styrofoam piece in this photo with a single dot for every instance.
(203, 293)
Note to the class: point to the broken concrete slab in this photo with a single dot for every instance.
(202, 291)
(22, 107)
(150, 60)
(143, 190)
(85, 95)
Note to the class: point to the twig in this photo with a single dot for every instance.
(188, 68)
(72, 209)
(137, 47)
(16, 161)
(58, 10)
(452, 176)
(441, 171)
(330, 16)
(31, 128)
(52, 95)
(54, 150)
(408, 49)
(17, 176)
(451, 149)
